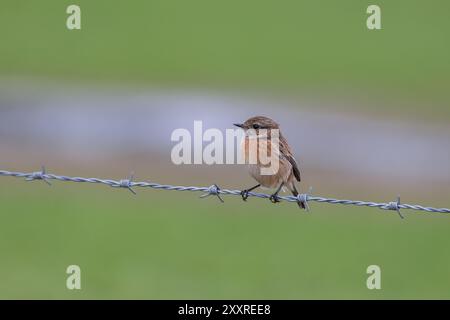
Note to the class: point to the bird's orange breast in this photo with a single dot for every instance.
(257, 150)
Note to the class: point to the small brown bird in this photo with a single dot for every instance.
(262, 129)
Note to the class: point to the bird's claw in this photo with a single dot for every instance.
(244, 195)
(274, 198)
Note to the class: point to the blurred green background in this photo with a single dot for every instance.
(175, 246)
(163, 245)
(321, 45)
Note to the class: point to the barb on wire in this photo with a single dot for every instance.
(126, 183)
(216, 191)
(39, 175)
(395, 206)
(213, 190)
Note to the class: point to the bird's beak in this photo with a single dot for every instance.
(240, 125)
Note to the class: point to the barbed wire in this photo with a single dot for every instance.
(215, 190)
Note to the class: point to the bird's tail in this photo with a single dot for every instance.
(295, 193)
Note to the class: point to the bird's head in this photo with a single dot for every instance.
(257, 123)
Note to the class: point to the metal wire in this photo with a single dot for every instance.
(216, 191)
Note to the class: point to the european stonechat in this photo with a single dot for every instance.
(259, 139)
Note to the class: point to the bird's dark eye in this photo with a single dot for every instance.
(256, 126)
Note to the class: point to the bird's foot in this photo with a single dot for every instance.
(244, 195)
(302, 205)
(274, 198)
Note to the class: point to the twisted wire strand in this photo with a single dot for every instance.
(216, 191)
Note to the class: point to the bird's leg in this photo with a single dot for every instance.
(274, 197)
(244, 193)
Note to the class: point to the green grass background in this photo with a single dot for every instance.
(319, 45)
(173, 245)
(166, 245)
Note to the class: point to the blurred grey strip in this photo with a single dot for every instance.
(143, 122)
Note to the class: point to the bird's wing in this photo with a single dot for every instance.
(286, 151)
